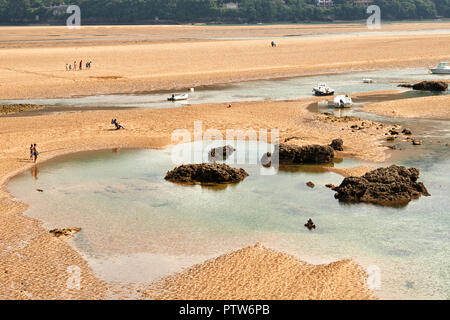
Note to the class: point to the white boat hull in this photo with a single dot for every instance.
(179, 97)
(342, 102)
(440, 71)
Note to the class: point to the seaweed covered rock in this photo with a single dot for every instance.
(206, 173)
(313, 154)
(391, 186)
(427, 86)
(291, 154)
(220, 153)
(337, 144)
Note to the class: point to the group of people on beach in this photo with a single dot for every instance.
(70, 67)
(33, 152)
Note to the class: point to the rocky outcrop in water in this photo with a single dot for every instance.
(427, 86)
(220, 153)
(337, 144)
(206, 173)
(391, 186)
(290, 154)
(310, 225)
(67, 232)
(310, 184)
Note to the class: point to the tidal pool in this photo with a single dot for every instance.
(137, 227)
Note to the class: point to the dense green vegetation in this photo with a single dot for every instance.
(250, 11)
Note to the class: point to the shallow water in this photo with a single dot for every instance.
(137, 227)
(284, 89)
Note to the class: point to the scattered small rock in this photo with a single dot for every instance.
(310, 184)
(337, 144)
(391, 138)
(39, 190)
(331, 186)
(416, 142)
(310, 225)
(220, 153)
(406, 131)
(394, 131)
(67, 232)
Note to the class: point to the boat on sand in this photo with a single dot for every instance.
(342, 101)
(442, 68)
(178, 97)
(323, 90)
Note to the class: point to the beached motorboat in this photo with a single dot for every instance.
(367, 80)
(342, 101)
(442, 68)
(178, 97)
(323, 90)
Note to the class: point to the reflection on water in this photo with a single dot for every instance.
(137, 227)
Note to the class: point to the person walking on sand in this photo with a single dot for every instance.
(67, 67)
(31, 152)
(35, 153)
(81, 65)
(74, 66)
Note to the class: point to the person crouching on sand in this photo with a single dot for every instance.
(117, 124)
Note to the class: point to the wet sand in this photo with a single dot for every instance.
(260, 273)
(32, 258)
(436, 107)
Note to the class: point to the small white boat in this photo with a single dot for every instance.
(323, 90)
(342, 101)
(442, 68)
(368, 80)
(178, 97)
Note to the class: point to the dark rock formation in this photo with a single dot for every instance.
(206, 173)
(337, 144)
(314, 154)
(392, 186)
(406, 131)
(310, 225)
(427, 85)
(310, 184)
(67, 232)
(220, 153)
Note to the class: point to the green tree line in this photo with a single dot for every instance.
(182, 11)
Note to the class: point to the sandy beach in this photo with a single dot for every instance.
(35, 71)
(90, 130)
(34, 264)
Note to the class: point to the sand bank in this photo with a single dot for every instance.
(34, 71)
(34, 263)
(436, 107)
(260, 273)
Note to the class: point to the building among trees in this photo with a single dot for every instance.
(325, 3)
